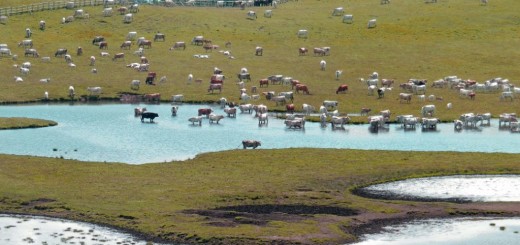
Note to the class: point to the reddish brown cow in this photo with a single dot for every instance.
(156, 97)
(205, 111)
(303, 88)
(289, 108)
(119, 56)
(342, 89)
(263, 82)
(103, 45)
(145, 43)
(294, 83)
(303, 51)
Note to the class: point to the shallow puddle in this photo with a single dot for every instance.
(467, 231)
(474, 188)
(18, 229)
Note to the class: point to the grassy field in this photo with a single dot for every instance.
(411, 40)
(17, 122)
(197, 201)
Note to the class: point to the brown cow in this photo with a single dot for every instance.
(263, 82)
(342, 89)
(303, 51)
(205, 111)
(289, 108)
(303, 88)
(103, 45)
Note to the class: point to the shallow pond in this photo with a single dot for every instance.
(475, 188)
(468, 231)
(111, 133)
(18, 229)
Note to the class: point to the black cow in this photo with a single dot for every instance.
(149, 115)
(60, 52)
(97, 40)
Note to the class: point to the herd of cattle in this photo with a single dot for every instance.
(414, 88)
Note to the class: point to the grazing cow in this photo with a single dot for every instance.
(342, 89)
(371, 23)
(94, 91)
(387, 82)
(149, 115)
(179, 45)
(68, 58)
(45, 80)
(126, 45)
(213, 87)
(365, 111)
(145, 43)
(338, 11)
(303, 88)
(303, 34)
(507, 95)
(264, 82)
(307, 109)
(159, 37)
(28, 33)
(205, 112)
(251, 143)
(419, 89)
(24, 71)
(405, 97)
(134, 85)
(107, 12)
(27, 43)
(155, 97)
(303, 51)
(441, 83)
(330, 104)
(72, 93)
(31, 52)
(97, 40)
(60, 52)
(118, 56)
(337, 74)
(18, 79)
(177, 98)
(259, 51)
(103, 45)
(465, 93)
(428, 110)
(251, 15)
(323, 64)
(268, 13)
(380, 93)
(348, 18)
(231, 112)
(319, 52)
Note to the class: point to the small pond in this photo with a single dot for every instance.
(467, 231)
(19, 229)
(111, 133)
(473, 188)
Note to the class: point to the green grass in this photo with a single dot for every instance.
(412, 40)
(152, 198)
(22, 122)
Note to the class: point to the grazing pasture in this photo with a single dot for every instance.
(436, 41)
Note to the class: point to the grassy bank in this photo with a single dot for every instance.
(22, 122)
(199, 200)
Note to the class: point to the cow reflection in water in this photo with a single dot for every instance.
(251, 143)
(149, 115)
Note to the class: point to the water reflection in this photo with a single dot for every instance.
(469, 231)
(18, 229)
(476, 188)
(110, 132)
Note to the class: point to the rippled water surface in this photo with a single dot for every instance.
(16, 230)
(111, 133)
(476, 188)
(463, 231)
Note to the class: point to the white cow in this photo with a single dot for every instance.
(429, 123)
(177, 98)
(371, 23)
(338, 11)
(307, 109)
(215, 118)
(251, 15)
(134, 84)
(428, 110)
(71, 91)
(131, 36)
(338, 74)
(18, 79)
(303, 34)
(107, 12)
(330, 104)
(246, 108)
(24, 71)
(348, 18)
(94, 90)
(507, 95)
(268, 13)
(323, 64)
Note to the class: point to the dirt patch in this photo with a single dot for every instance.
(385, 195)
(262, 214)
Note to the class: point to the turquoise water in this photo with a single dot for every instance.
(111, 133)
(461, 231)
